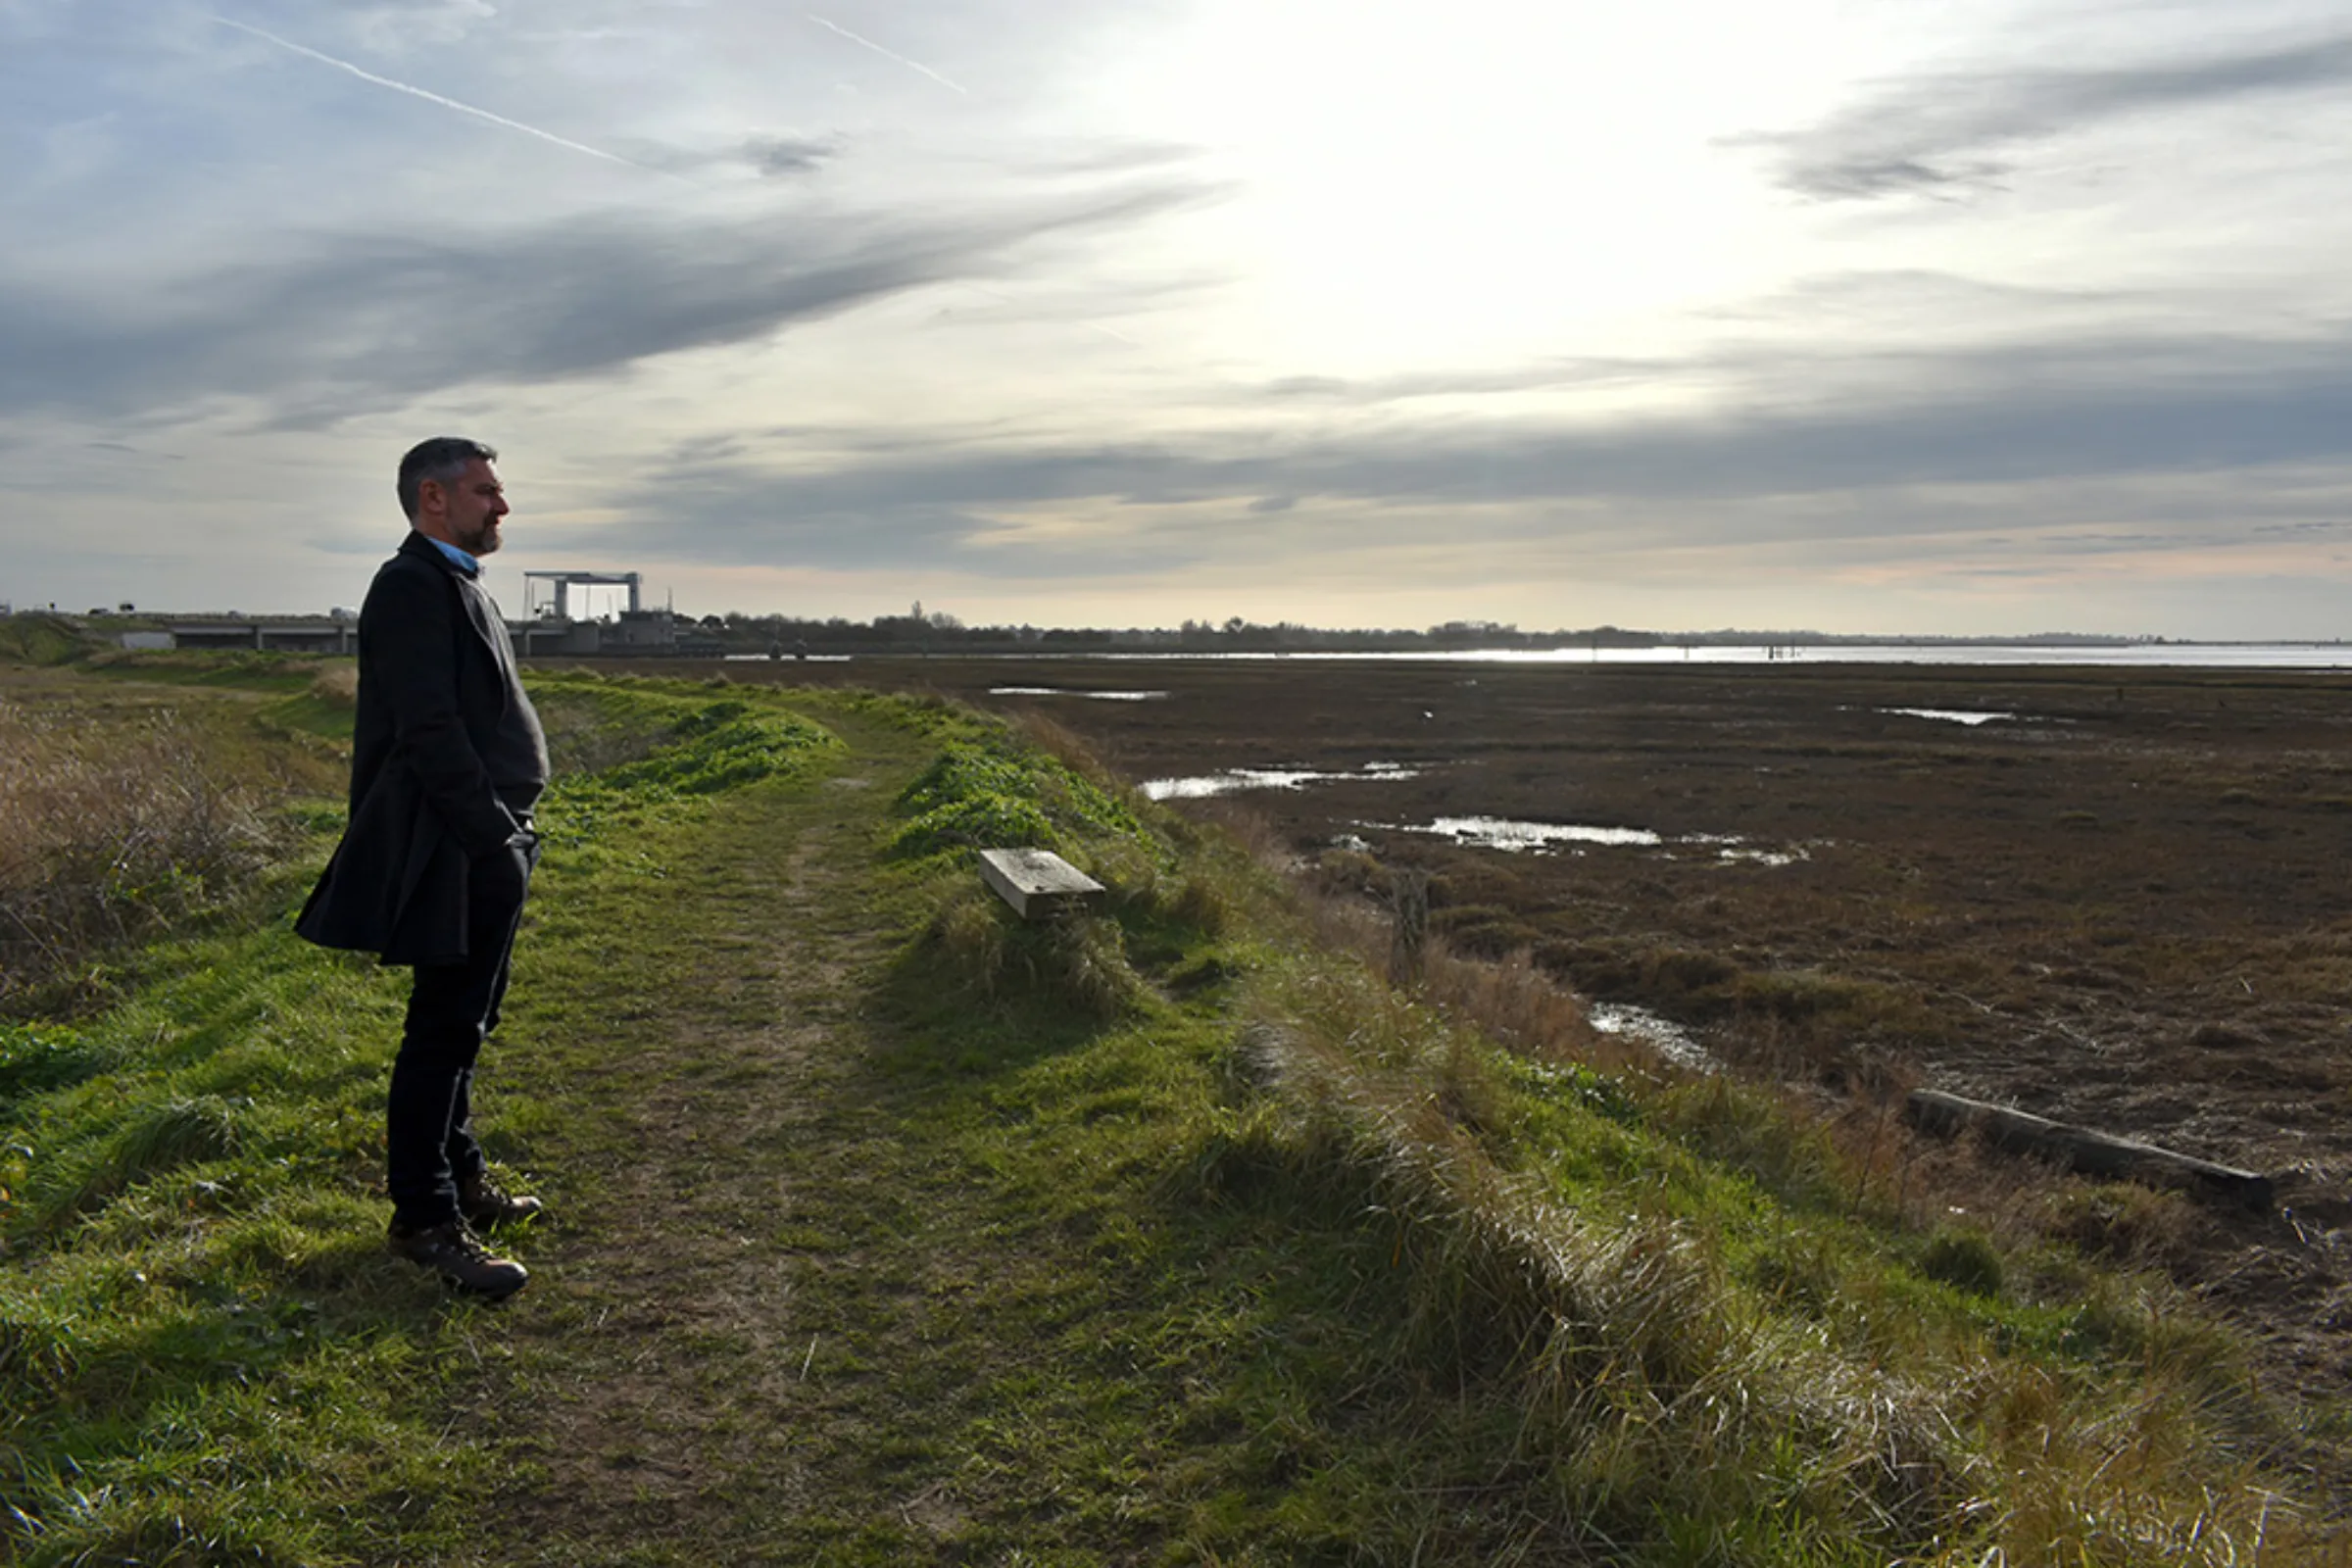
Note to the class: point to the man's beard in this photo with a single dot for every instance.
(483, 541)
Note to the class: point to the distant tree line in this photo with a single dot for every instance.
(944, 633)
(939, 632)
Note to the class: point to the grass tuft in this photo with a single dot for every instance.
(337, 686)
(1965, 1259)
(35, 1057)
(985, 794)
(150, 1142)
(1076, 964)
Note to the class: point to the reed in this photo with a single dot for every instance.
(109, 832)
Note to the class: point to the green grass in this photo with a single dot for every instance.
(887, 1228)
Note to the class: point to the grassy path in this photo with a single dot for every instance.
(684, 1375)
(782, 1311)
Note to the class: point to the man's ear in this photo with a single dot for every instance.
(431, 496)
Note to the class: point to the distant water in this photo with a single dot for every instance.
(2192, 656)
(2198, 656)
(1971, 717)
(1234, 781)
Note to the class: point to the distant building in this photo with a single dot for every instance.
(635, 632)
(548, 626)
(291, 634)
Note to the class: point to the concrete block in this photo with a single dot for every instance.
(1038, 883)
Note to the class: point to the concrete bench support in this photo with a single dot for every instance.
(2081, 1150)
(1038, 883)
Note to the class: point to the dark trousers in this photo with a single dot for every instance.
(428, 1134)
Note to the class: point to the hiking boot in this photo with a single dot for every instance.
(457, 1255)
(485, 1203)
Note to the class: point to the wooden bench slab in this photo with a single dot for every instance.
(1038, 883)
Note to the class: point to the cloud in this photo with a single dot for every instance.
(1540, 375)
(788, 155)
(2145, 424)
(1956, 132)
(402, 26)
(1121, 158)
(348, 323)
(2325, 526)
(1893, 301)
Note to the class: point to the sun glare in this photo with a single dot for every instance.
(1422, 186)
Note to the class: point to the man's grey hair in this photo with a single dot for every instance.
(442, 459)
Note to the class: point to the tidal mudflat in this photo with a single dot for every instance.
(2121, 897)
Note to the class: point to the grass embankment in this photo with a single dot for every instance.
(36, 638)
(887, 1228)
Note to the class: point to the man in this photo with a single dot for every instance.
(446, 762)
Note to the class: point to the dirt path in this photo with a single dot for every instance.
(694, 1367)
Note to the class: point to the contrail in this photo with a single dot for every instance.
(432, 97)
(911, 65)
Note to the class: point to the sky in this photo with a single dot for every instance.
(1857, 315)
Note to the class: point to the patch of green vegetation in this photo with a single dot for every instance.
(322, 711)
(304, 713)
(36, 638)
(986, 794)
(48, 1056)
(202, 1350)
(1965, 1259)
(718, 746)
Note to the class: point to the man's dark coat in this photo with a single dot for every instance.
(436, 673)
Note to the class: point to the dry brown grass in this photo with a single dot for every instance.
(337, 685)
(109, 831)
(1065, 745)
(1077, 965)
(1512, 1000)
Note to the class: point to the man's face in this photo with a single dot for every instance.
(468, 508)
